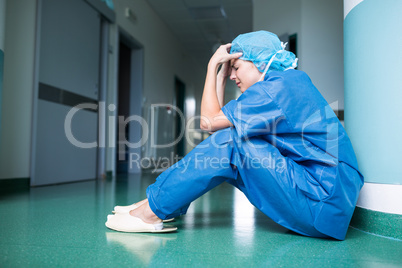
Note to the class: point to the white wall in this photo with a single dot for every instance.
(319, 27)
(321, 43)
(15, 139)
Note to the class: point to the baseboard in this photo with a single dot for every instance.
(379, 223)
(14, 184)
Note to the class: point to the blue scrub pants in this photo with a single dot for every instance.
(266, 181)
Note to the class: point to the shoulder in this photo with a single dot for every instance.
(288, 76)
(288, 82)
(283, 86)
(295, 94)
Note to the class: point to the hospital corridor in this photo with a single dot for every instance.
(101, 100)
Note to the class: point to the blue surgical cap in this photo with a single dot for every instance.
(259, 47)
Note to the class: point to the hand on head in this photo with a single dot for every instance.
(222, 55)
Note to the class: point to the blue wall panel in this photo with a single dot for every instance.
(373, 88)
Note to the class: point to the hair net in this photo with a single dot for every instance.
(264, 48)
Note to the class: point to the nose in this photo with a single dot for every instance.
(233, 74)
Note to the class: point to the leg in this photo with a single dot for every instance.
(267, 178)
(205, 167)
(145, 213)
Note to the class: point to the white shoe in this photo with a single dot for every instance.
(124, 222)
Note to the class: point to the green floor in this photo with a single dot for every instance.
(63, 226)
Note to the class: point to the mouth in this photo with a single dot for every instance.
(238, 84)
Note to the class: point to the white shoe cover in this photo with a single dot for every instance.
(124, 222)
(124, 209)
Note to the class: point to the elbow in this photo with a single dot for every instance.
(204, 126)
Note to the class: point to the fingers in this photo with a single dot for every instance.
(227, 47)
(223, 49)
(231, 56)
(236, 55)
(223, 55)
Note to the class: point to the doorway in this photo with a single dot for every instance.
(123, 110)
(180, 93)
(129, 103)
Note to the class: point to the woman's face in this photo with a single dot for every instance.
(244, 73)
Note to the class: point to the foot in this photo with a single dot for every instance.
(127, 223)
(128, 208)
(141, 202)
(145, 213)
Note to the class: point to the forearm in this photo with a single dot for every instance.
(220, 88)
(212, 117)
(210, 105)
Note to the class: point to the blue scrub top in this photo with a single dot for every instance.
(287, 111)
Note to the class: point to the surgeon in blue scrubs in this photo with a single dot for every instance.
(280, 143)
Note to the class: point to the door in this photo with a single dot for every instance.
(65, 140)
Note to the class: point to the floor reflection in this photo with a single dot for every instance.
(143, 247)
(243, 219)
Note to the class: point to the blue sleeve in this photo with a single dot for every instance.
(256, 113)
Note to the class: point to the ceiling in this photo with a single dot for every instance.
(201, 25)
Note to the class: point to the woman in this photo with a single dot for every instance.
(279, 143)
